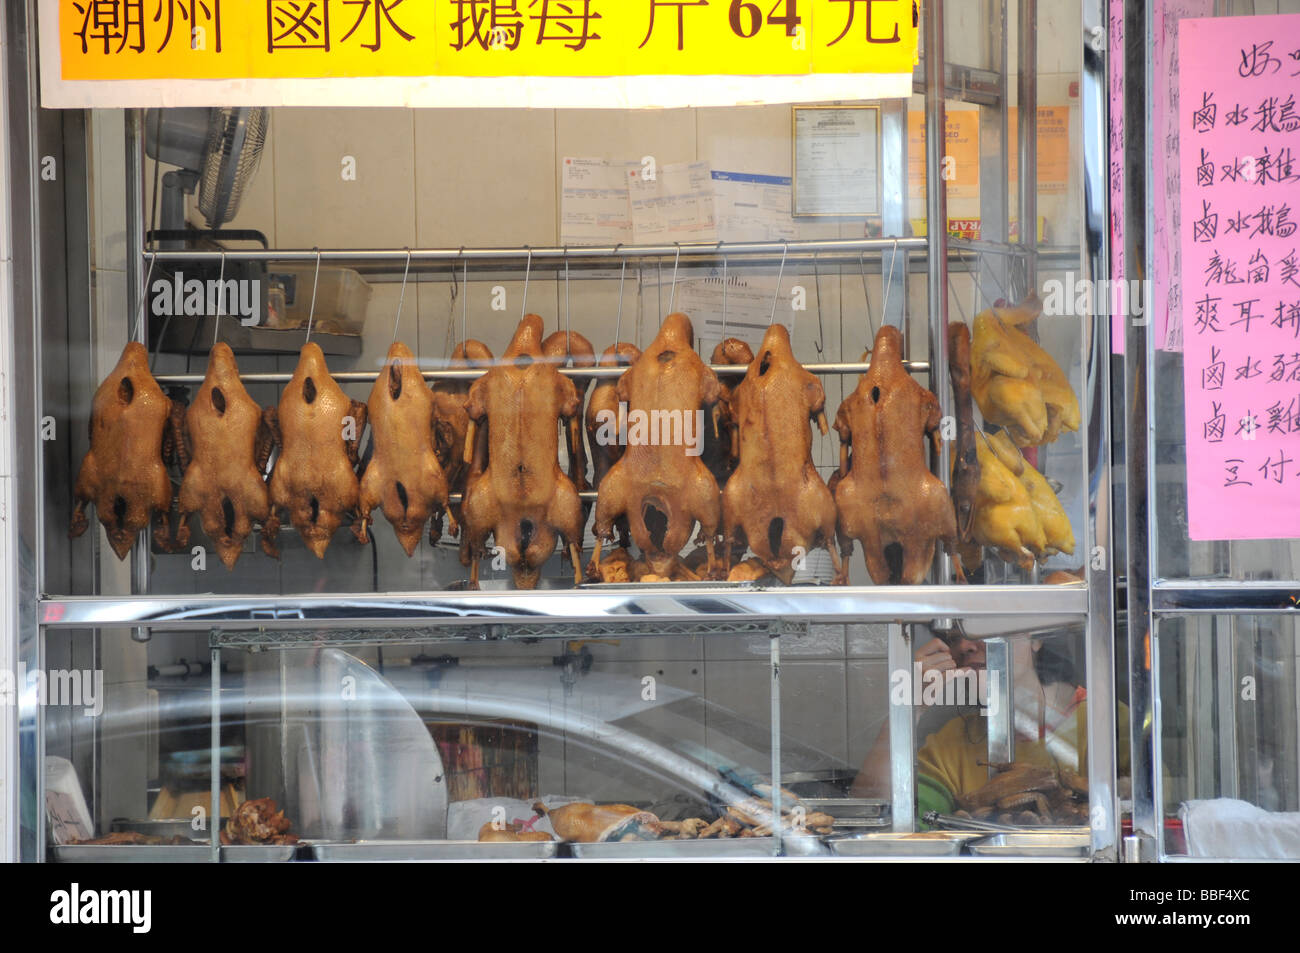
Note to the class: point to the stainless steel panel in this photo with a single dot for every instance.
(258, 853)
(928, 844)
(375, 851)
(679, 849)
(132, 854)
(518, 609)
(1032, 845)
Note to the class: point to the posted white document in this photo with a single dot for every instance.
(595, 208)
(674, 206)
(753, 208)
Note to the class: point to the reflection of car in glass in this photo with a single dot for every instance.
(352, 754)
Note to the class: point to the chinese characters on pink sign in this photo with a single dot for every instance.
(1239, 157)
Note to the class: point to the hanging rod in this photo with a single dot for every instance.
(463, 374)
(523, 253)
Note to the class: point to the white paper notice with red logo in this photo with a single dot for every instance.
(1239, 153)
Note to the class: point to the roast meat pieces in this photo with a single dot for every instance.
(658, 483)
(888, 499)
(228, 443)
(403, 477)
(775, 500)
(317, 428)
(722, 452)
(522, 499)
(259, 821)
(589, 823)
(124, 473)
(1015, 382)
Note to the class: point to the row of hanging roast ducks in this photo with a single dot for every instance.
(496, 441)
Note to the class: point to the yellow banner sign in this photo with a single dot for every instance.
(304, 39)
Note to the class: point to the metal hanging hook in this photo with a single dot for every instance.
(672, 295)
(221, 298)
(401, 298)
(144, 296)
(866, 295)
(724, 294)
(779, 275)
(884, 316)
(464, 299)
(817, 289)
(568, 314)
(528, 271)
(622, 277)
(311, 314)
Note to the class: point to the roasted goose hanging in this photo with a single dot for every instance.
(776, 501)
(317, 428)
(228, 444)
(888, 499)
(133, 431)
(523, 499)
(661, 482)
(403, 476)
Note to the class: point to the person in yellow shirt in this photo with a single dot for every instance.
(1050, 716)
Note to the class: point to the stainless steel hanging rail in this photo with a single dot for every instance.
(466, 374)
(522, 253)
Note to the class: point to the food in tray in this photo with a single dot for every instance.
(1016, 512)
(1015, 382)
(403, 476)
(1029, 794)
(775, 501)
(965, 458)
(887, 497)
(133, 431)
(224, 451)
(571, 349)
(133, 839)
(523, 499)
(590, 823)
(317, 428)
(660, 482)
(512, 833)
(721, 452)
(259, 821)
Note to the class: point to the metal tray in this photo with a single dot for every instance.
(678, 849)
(133, 854)
(258, 853)
(363, 851)
(167, 828)
(847, 808)
(1033, 844)
(929, 844)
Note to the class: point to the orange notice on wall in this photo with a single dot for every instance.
(961, 154)
(1053, 148)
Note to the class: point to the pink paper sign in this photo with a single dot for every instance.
(1115, 16)
(1239, 160)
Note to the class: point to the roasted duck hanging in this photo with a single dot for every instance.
(602, 408)
(450, 421)
(722, 452)
(661, 482)
(403, 477)
(317, 428)
(1015, 382)
(776, 501)
(571, 349)
(965, 459)
(133, 431)
(228, 444)
(523, 499)
(888, 499)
